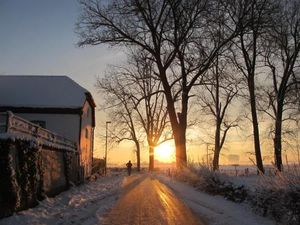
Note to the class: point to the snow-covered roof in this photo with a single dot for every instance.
(41, 92)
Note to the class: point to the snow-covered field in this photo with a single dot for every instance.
(82, 205)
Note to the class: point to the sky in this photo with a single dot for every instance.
(37, 37)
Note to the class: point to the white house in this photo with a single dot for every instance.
(56, 103)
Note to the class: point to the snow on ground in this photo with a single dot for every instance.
(88, 203)
(250, 182)
(82, 205)
(254, 182)
(215, 209)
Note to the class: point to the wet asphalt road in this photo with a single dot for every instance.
(146, 201)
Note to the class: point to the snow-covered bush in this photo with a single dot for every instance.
(28, 175)
(98, 166)
(279, 197)
(211, 182)
(9, 190)
(20, 175)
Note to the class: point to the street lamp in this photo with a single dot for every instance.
(105, 171)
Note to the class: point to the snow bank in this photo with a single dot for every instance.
(35, 141)
(82, 205)
(215, 209)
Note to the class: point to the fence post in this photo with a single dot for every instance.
(7, 121)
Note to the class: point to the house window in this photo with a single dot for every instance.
(41, 123)
(86, 133)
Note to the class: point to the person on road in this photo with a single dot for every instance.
(129, 165)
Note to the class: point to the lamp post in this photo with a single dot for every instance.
(297, 142)
(105, 171)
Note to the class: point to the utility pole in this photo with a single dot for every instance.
(207, 161)
(297, 142)
(105, 171)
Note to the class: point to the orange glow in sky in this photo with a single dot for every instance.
(165, 152)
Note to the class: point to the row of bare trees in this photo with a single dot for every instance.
(135, 101)
(208, 47)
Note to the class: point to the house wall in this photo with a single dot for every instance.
(66, 125)
(74, 128)
(86, 139)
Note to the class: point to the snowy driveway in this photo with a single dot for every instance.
(145, 200)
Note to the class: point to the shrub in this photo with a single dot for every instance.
(275, 196)
(21, 183)
(212, 182)
(279, 197)
(9, 190)
(98, 166)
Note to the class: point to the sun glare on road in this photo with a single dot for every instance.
(165, 152)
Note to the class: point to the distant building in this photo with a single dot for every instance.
(56, 103)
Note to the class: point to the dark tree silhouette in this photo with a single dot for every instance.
(216, 98)
(137, 103)
(148, 100)
(246, 50)
(117, 100)
(281, 54)
(177, 34)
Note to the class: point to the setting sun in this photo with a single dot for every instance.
(165, 152)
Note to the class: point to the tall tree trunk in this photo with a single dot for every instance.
(151, 158)
(180, 143)
(218, 122)
(259, 162)
(138, 156)
(277, 138)
(178, 125)
(180, 135)
(217, 147)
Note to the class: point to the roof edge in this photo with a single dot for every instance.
(41, 110)
(90, 99)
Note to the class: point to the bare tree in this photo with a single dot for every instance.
(121, 111)
(246, 50)
(216, 99)
(175, 33)
(282, 47)
(148, 101)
